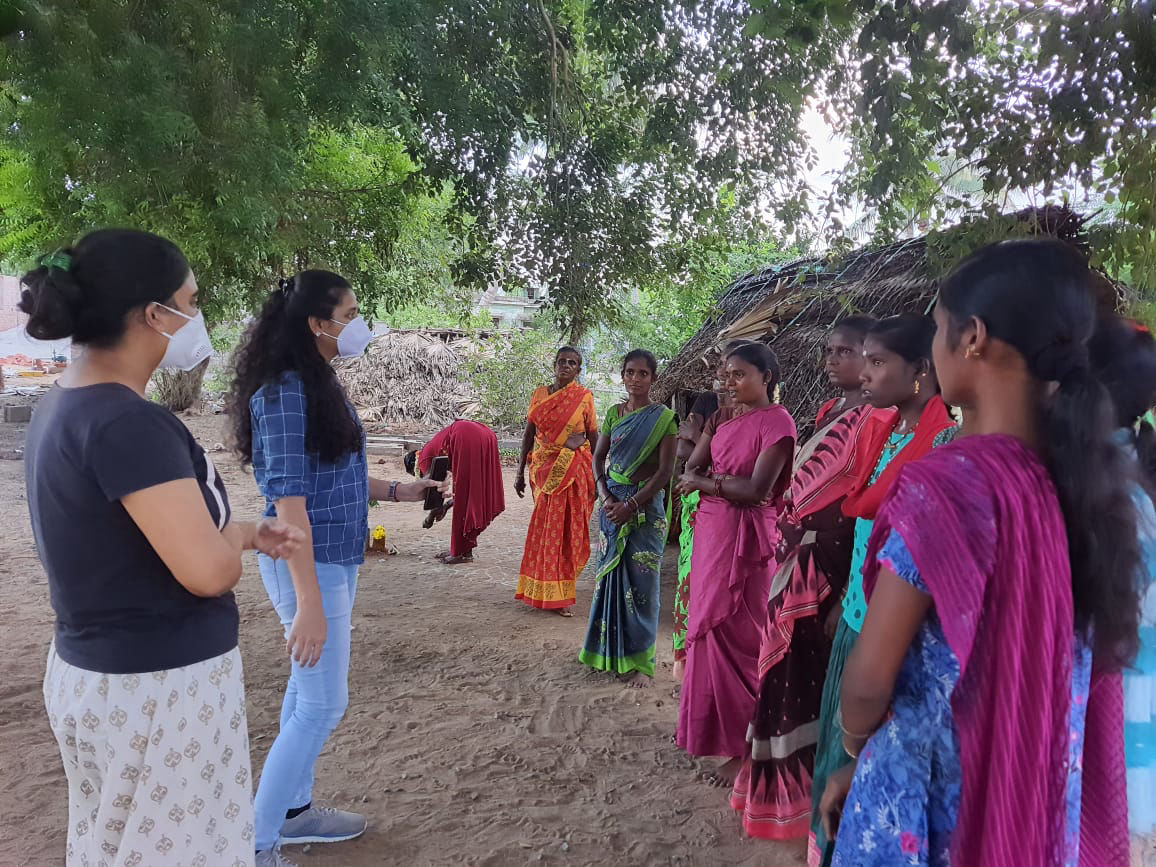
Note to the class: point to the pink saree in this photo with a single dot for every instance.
(983, 524)
(731, 567)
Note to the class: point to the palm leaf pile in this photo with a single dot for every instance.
(412, 379)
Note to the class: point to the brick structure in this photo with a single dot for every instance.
(10, 317)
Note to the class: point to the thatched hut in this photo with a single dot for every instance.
(791, 306)
(412, 378)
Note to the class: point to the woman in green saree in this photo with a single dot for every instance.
(638, 438)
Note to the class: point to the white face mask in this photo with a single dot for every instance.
(353, 339)
(189, 345)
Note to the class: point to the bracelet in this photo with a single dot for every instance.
(718, 488)
(392, 497)
(854, 735)
(634, 503)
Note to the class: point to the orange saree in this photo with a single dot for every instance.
(562, 482)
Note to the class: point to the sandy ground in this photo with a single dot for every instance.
(473, 735)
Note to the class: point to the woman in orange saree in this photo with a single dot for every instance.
(561, 430)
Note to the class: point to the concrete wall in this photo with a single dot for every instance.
(10, 317)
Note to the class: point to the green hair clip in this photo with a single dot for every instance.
(59, 259)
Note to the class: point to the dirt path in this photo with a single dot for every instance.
(473, 735)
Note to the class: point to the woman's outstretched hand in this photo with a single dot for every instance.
(274, 538)
(412, 492)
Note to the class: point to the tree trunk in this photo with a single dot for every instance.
(179, 390)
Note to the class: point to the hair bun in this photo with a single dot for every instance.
(52, 300)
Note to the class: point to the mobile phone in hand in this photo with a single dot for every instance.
(438, 472)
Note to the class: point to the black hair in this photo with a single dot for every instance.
(87, 291)
(410, 462)
(908, 335)
(564, 349)
(1036, 297)
(856, 326)
(1123, 357)
(644, 355)
(280, 341)
(760, 356)
(731, 345)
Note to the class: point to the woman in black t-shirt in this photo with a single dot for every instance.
(143, 690)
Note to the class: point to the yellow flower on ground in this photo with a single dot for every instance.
(379, 533)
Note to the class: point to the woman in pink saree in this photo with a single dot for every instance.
(749, 450)
(982, 703)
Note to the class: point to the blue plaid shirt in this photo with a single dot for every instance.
(336, 494)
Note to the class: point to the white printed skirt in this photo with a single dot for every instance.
(157, 764)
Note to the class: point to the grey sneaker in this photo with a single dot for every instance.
(273, 858)
(322, 825)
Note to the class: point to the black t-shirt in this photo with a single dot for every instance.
(119, 610)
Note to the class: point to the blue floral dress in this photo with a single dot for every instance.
(904, 801)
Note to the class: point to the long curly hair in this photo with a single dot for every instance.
(280, 341)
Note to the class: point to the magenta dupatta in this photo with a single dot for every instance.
(983, 524)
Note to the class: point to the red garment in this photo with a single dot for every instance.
(864, 499)
(826, 408)
(479, 494)
(983, 523)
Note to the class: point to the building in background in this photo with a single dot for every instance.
(515, 309)
(10, 316)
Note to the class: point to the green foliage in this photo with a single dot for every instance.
(506, 372)
(1030, 97)
(266, 134)
(434, 315)
(585, 135)
(232, 128)
(671, 306)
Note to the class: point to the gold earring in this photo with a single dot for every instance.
(971, 352)
(917, 386)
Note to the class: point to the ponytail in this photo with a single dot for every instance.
(280, 341)
(1145, 440)
(1091, 474)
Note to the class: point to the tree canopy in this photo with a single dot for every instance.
(584, 148)
(579, 137)
(1045, 97)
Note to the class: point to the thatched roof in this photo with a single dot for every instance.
(411, 378)
(792, 306)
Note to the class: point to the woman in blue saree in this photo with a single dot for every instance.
(638, 438)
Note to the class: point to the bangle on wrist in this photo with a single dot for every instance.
(392, 496)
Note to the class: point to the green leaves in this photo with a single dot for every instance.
(1036, 99)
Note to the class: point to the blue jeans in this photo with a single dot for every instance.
(315, 699)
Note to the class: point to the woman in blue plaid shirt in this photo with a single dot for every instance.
(295, 425)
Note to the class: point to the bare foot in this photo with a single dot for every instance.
(724, 775)
(679, 669)
(637, 680)
(450, 560)
(564, 612)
